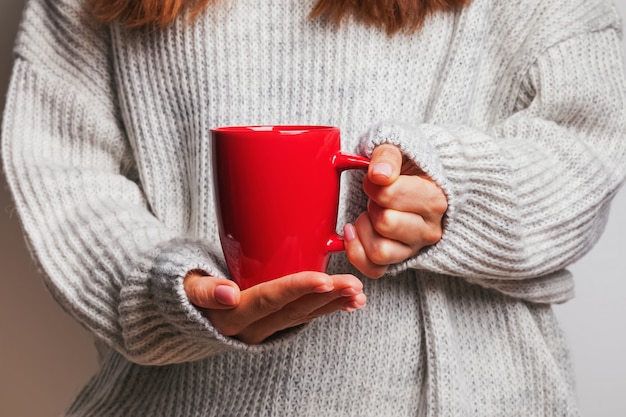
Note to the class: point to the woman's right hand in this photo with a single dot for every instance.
(258, 312)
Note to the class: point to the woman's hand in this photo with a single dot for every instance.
(258, 312)
(404, 213)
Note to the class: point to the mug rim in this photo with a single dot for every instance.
(280, 128)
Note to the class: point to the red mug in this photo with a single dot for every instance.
(277, 195)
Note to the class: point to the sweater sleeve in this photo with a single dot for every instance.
(106, 258)
(530, 195)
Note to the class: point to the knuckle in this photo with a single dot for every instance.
(439, 204)
(436, 200)
(432, 235)
(384, 222)
(268, 302)
(376, 272)
(386, 196)
(198, 295)
(380, 252)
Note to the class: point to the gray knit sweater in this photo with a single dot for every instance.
(517, 109)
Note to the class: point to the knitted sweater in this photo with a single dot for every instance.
(517, 109)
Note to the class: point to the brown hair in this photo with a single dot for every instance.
(389, 15)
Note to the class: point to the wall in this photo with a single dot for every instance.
(45, 357)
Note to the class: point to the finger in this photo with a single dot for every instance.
(271, 296)
(210, 292)
(411, 194)
(378, 249)
(268, 297)
(303, 311)
(385, 164)
(260, 331)
(408, 228)
(356, 253)
(344, 285)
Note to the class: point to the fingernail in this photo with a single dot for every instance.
(382, 169)
(323, 288)
(349, 232)
(224, 294)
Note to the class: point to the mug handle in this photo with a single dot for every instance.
(341, 162)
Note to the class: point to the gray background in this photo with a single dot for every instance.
(45, 357)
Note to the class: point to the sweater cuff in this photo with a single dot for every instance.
(170, 266)
(414, 142)
(433, 149)
(420, 144)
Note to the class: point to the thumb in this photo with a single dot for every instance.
(385, 164)
(209, 292)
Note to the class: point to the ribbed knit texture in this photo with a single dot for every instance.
(517, 109)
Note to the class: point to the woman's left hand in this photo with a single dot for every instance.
(404, 213)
